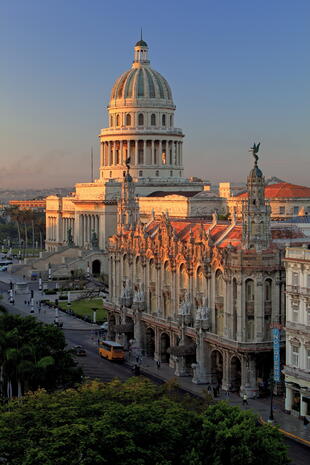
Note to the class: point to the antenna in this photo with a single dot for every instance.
(91, 165)
(141, 33)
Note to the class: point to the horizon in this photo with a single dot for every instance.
(245, 79)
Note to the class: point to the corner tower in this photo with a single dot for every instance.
(256, 213)
(141, 126)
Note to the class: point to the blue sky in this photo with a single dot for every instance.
(238, 69)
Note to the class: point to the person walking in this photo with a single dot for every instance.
(306, 423)
(158, 364)
(245, 399)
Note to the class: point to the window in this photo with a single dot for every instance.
(171, 121)
(140, 119)
(140, 173)
(308, 358)
(111, 121)
(153, 119)
(128, 120)
(110, 174)
(295, 210)
(295, 310)
(268, 290)
(117, 120)
(163, 158)
(250, 290)
(171, 173)
(295, 356)
(282, 210)
(157, 173)
(295, 279)
(163, 120)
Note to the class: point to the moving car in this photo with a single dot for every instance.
(79, 351)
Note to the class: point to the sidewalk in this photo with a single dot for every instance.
(289, 425)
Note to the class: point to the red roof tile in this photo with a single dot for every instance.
(283, 190)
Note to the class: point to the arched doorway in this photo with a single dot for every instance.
(164, 346)
(235, 376)
(217, 367)
(150, 342)
(96, 267)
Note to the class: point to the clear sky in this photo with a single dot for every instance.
(238, 69)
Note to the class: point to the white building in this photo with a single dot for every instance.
(141, 132)
(297, 369)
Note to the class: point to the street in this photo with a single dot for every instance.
(79, 332)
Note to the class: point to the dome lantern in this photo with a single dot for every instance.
(141, 53)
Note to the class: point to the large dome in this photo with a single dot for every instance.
(141, 81)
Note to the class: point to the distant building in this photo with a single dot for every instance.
(286, 200)
(29, 204)
(297, 367)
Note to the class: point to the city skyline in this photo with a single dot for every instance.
(239, 73)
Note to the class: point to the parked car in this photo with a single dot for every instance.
(105, 326)
(79, 351)
(58, 323)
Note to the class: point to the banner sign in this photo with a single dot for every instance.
(276, 354)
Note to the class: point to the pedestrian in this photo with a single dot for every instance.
(227, 393)
(158, 364)
(306, 423)
(245, 399)
(25, 302)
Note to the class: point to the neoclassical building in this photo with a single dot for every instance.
(141, 131)
(201, 295)
(297, 329)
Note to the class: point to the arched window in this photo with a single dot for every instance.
(153, 119)
(128, 119)
(140, 119)
(219, 284)
(171, 121)
(268, 284)
(249, 290)
(111, 120)
(117, 120)
(163, 120)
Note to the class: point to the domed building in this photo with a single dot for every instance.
(141, 126)
(141, 137)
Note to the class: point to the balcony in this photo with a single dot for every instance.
(297, 373)
(136, 131)
(297, 290)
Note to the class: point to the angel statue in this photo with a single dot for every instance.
(255, 150)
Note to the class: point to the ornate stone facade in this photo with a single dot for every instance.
(297, 328)
(210, 291)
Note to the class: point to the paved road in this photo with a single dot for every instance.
(79, 332)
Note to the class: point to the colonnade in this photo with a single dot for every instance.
(67, 223)
(142, 152)
(89, 224)
(51, 228)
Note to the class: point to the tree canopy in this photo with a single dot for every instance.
(131, 423)
(33, 355)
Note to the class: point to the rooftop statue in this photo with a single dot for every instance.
(254, 151)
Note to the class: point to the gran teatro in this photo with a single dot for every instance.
(199, 294)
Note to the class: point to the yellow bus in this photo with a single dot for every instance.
(111, 350)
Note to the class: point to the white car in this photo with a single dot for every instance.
(105, 326)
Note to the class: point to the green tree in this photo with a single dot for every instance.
(33, 355)
(132, 423)
(231, 436)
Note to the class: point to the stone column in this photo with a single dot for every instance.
(136, 152)
(240, 311)
(259, 311)
(109, 153)
(128, 148)
(227, 308)
(114, 152)
(288, 398)
(181, 153)
(226, 381)
(121, 153)
(303, 406)
(202, 371)
(101, 154)
(152, 153)
(144, 152)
